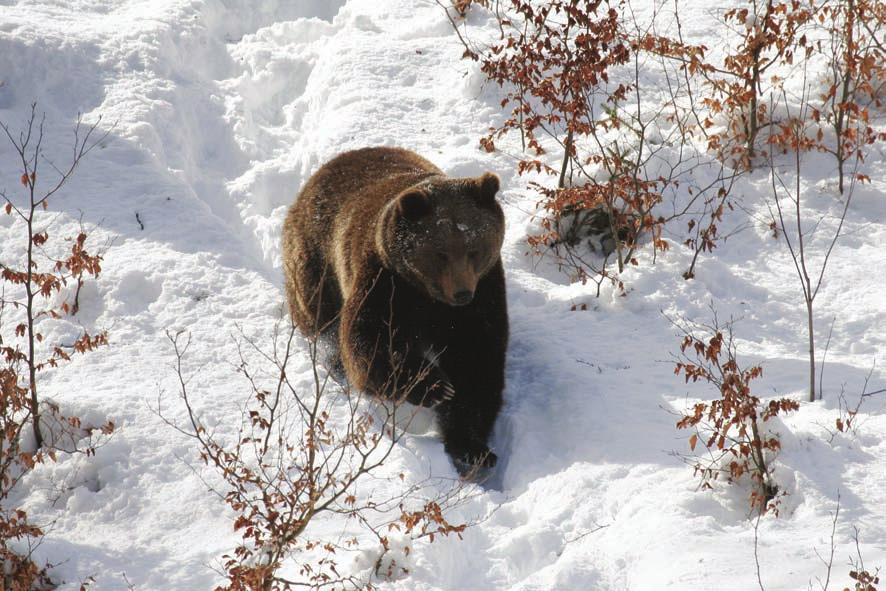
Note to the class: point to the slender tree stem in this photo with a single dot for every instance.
(809, 319)
(29, 291)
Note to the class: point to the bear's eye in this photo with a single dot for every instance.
(473, 254)
(442, 257)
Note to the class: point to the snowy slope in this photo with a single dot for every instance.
(221, 109)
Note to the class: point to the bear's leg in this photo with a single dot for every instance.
(474, 360)
(314, 297)
(377, 353)
(467, 424)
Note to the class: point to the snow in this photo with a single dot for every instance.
(218, 111)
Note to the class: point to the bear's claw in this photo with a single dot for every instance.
(474, 465)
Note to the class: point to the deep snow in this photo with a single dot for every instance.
(222, 109)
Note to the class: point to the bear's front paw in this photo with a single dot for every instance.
(474, 463)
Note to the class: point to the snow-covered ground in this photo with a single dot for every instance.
(221, 110)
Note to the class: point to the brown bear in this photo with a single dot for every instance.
(404, 263)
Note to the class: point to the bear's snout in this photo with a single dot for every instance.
(458, 283)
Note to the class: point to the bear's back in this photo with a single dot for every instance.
(346, 195)
(363, 180)
(331, 225)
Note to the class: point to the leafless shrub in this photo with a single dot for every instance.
(296, 459)
(39, 286)
(848, 420)
(25, 299)
(793, 219)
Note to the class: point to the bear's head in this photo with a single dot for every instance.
(443, 235)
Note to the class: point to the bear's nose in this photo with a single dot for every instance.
(463, 297)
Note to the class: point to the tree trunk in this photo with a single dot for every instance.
(840, 119)
(811, 352)
(567, 146)
(32, 362)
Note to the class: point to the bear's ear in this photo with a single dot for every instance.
(413, 204)
(487, 187)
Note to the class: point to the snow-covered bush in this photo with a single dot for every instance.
(731, 428)
(855, 78)
(766, 36)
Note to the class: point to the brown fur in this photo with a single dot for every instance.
(401, 259)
